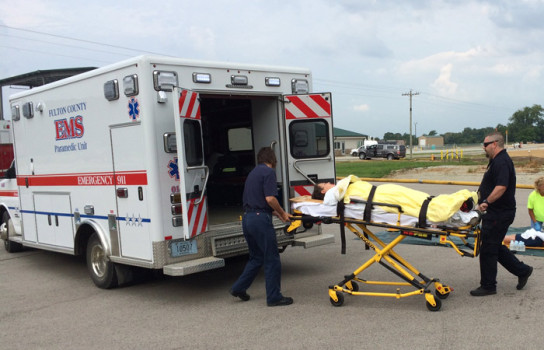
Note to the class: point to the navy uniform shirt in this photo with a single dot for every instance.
(500, 172)
(260, 183)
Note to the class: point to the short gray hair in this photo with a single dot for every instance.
(497, 136)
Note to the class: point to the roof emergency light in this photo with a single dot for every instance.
(272, 81)
(238, 80)
(28, 111)
(15, 113)
(130, 85)
(204, 78)
(169, 140)
(300, 86)
(164, 81)
(111, 90)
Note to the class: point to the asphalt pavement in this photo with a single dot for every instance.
(49, 302)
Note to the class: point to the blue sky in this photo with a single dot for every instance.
(473, 62)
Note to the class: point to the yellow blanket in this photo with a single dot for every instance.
(440, 208)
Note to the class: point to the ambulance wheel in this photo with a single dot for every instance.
(101, 269)
(10, 246)
(434, 308)
(340, 301)
(389, 157)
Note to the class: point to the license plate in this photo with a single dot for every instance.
(182, 248)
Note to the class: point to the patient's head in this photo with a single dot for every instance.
(320, 189)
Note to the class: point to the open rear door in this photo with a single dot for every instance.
(309, 130)
(193, 174)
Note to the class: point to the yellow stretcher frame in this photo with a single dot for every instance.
(392, 261)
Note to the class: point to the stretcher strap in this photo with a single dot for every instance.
(423, 212)
(340, 212)
(368, 207)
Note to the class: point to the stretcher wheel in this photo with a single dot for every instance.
(434, 308)
(354, 286)
(308, 225)
(440, 295)
(340, 301)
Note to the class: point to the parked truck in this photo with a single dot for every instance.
(142, 163)
(383, 150)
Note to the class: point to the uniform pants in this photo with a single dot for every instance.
(493, 251)
(263, 251)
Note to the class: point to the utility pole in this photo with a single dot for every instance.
(411, 93)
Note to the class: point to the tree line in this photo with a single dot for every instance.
(525, 125)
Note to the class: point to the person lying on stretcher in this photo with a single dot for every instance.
(440, 208)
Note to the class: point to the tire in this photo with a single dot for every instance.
(340, 301)
(434, 308)
(355, 286)
(362, 156)
(389, 157)
(441, 296)
(10, 246)
(101, 269)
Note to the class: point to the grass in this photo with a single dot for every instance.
(380, 168)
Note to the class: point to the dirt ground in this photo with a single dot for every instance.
(529, 164)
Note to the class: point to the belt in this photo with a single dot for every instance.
(257, 210)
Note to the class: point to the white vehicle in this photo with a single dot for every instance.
(143, 163)
(366, 143)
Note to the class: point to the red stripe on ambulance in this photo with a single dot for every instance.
(303, 190)
(307, 106)
(198, 219)
(134, 178)
(189, 107)
(9, 193)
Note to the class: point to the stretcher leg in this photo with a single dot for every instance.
(387, 257)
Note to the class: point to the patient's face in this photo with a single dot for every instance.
(325, 186)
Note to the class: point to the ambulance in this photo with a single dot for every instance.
(142, 163)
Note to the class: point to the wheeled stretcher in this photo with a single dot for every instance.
(358, 217)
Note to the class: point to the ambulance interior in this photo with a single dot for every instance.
(234, 129)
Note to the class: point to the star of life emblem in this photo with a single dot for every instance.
(173, 169)
(134, 109)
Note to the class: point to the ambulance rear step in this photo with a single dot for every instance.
(193, 266)
(314, 241)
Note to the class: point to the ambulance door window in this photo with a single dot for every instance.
(193, 142)
(309, 138)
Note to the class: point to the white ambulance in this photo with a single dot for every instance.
(143, 163)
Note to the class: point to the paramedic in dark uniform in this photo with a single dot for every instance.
(497, 198)
(260, 204)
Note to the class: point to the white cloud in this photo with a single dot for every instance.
(361, 108)
(443, 83)
(482, 52)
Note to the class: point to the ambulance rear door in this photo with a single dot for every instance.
(310, 147)
(193, 174)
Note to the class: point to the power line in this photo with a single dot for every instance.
(55, 54)
(65, 45)
(76, 39)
